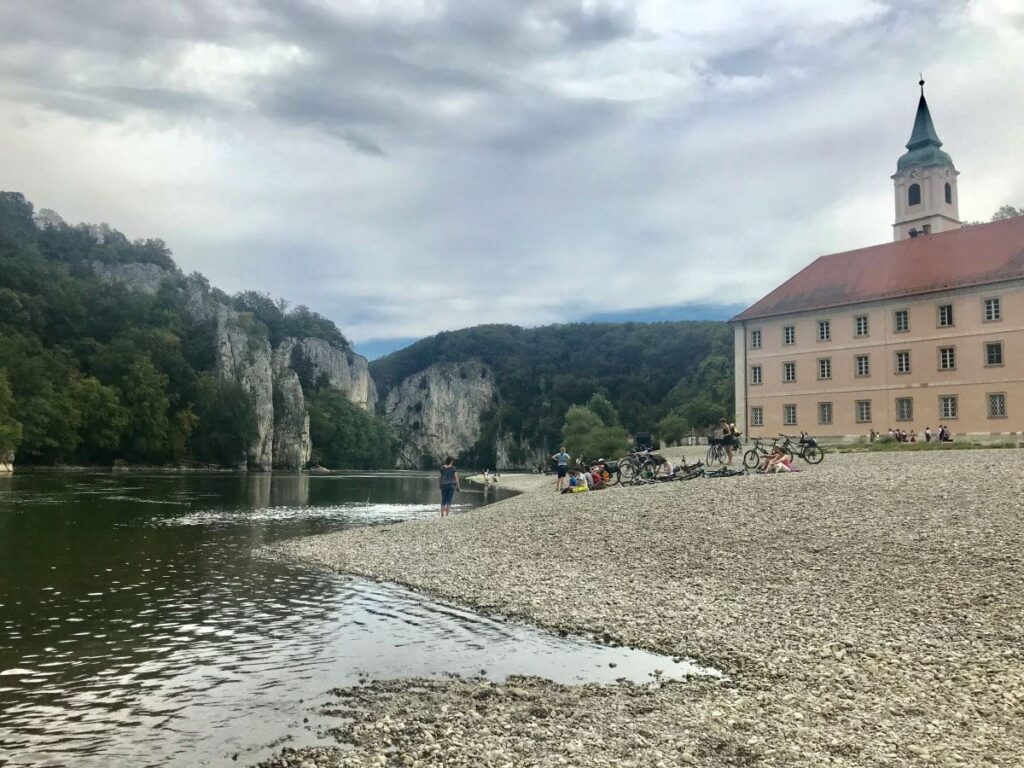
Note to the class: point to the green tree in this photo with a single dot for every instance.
(602, 407)
(144, 393)
(1007, 212)
(103, 420)
(673, 428)
(226, 421)
(585, 434)
(345, 436)
(10, 427)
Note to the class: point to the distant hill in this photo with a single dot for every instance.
(647, 370)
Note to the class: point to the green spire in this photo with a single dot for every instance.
(923, 147)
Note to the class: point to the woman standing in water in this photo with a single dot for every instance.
(449, 483)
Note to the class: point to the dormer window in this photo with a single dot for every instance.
(949, 194)
(914, 194)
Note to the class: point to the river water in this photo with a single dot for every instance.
(139, 626)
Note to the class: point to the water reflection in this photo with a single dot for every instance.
(137, 627)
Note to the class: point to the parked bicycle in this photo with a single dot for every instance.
(805, 447)
(638, 467)
(717, 453)
(761, 450)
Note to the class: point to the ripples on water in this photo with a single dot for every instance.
(138, 628)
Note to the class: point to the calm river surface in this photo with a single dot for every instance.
(138, 626)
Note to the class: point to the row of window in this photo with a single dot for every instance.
(914, 194)
(992, 356)
(992, 310)
(949, 409)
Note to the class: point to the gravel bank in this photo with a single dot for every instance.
(868, 612)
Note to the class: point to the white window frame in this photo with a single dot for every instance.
(858, 360)
(755, 339)
(952, 358)
(949, 414)
(756, 416)
(992, 309)
(789, 365)
(822, 408)
(785, 414)
(861, 328)
(905, 313)
(824, 368)
(1002, 357)
(900, 355)
(909, 416)
(941, 317)
(756, 375)
(824, 330)
(788, 335)
(989, 397)
(858, 411)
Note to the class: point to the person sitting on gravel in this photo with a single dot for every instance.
(778, 461)
(576, 483)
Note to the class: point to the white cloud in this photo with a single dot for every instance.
(406, 167)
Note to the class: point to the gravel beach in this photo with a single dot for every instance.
(868, 612)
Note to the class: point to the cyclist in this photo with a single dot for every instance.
(729, 438)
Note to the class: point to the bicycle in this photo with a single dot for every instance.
(631, 467)
(716, 449)
(806, 448)
(752, 459)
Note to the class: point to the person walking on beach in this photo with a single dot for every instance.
(562, 460)
(449, 484)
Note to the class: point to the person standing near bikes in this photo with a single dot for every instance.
(562, 460)
(729, 436)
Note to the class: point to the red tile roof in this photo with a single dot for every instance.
(988, 253)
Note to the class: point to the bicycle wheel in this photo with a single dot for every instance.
(648, 471)
(751, 459)
(626, 471)
(813, 454)
(715, 455)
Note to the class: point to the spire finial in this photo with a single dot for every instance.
(921, 83)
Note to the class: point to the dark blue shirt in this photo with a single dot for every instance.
(447, 476)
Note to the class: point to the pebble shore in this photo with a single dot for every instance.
(867, 612)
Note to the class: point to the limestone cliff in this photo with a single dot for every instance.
(273, 378)
(244, 356)
(440, 411)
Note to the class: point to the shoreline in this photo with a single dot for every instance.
(867, 611)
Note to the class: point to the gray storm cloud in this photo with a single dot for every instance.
(405, 166)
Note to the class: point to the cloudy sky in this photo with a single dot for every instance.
(407, 166)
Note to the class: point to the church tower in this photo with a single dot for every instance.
(925, 182)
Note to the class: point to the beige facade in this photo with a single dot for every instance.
(954, 358)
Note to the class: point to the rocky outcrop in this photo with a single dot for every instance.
(292, 444)
(6, 462)
(245, 357)
(136, 276)
(510, 453)
(337, 368)
(440, 410)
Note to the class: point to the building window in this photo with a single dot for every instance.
(949, 194)
(824, 413)
(789, 415)
(903, 361)
(947, 358)
(789, 335)
(789, 371)
(947, 407)
(863, 411)
(914, 194)
(756, 416)
(755, 374)
(755, 339)
(994, 353)
(824, 330)
(825, 368)
(945, 315)
(904, 409)
(997, 405)
(862, 365)
(860, 325)
(993, 310)
(901, 321)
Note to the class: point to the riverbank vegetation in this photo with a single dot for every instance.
(92, 371)
(672, 374)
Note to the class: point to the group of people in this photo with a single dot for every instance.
(581, 478)
(901, 436)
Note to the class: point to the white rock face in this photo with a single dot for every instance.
(6, 462)
(145, 278)
(439, 411)
(292, 444)
(343, 371)
(246, 358)
(504, 448)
